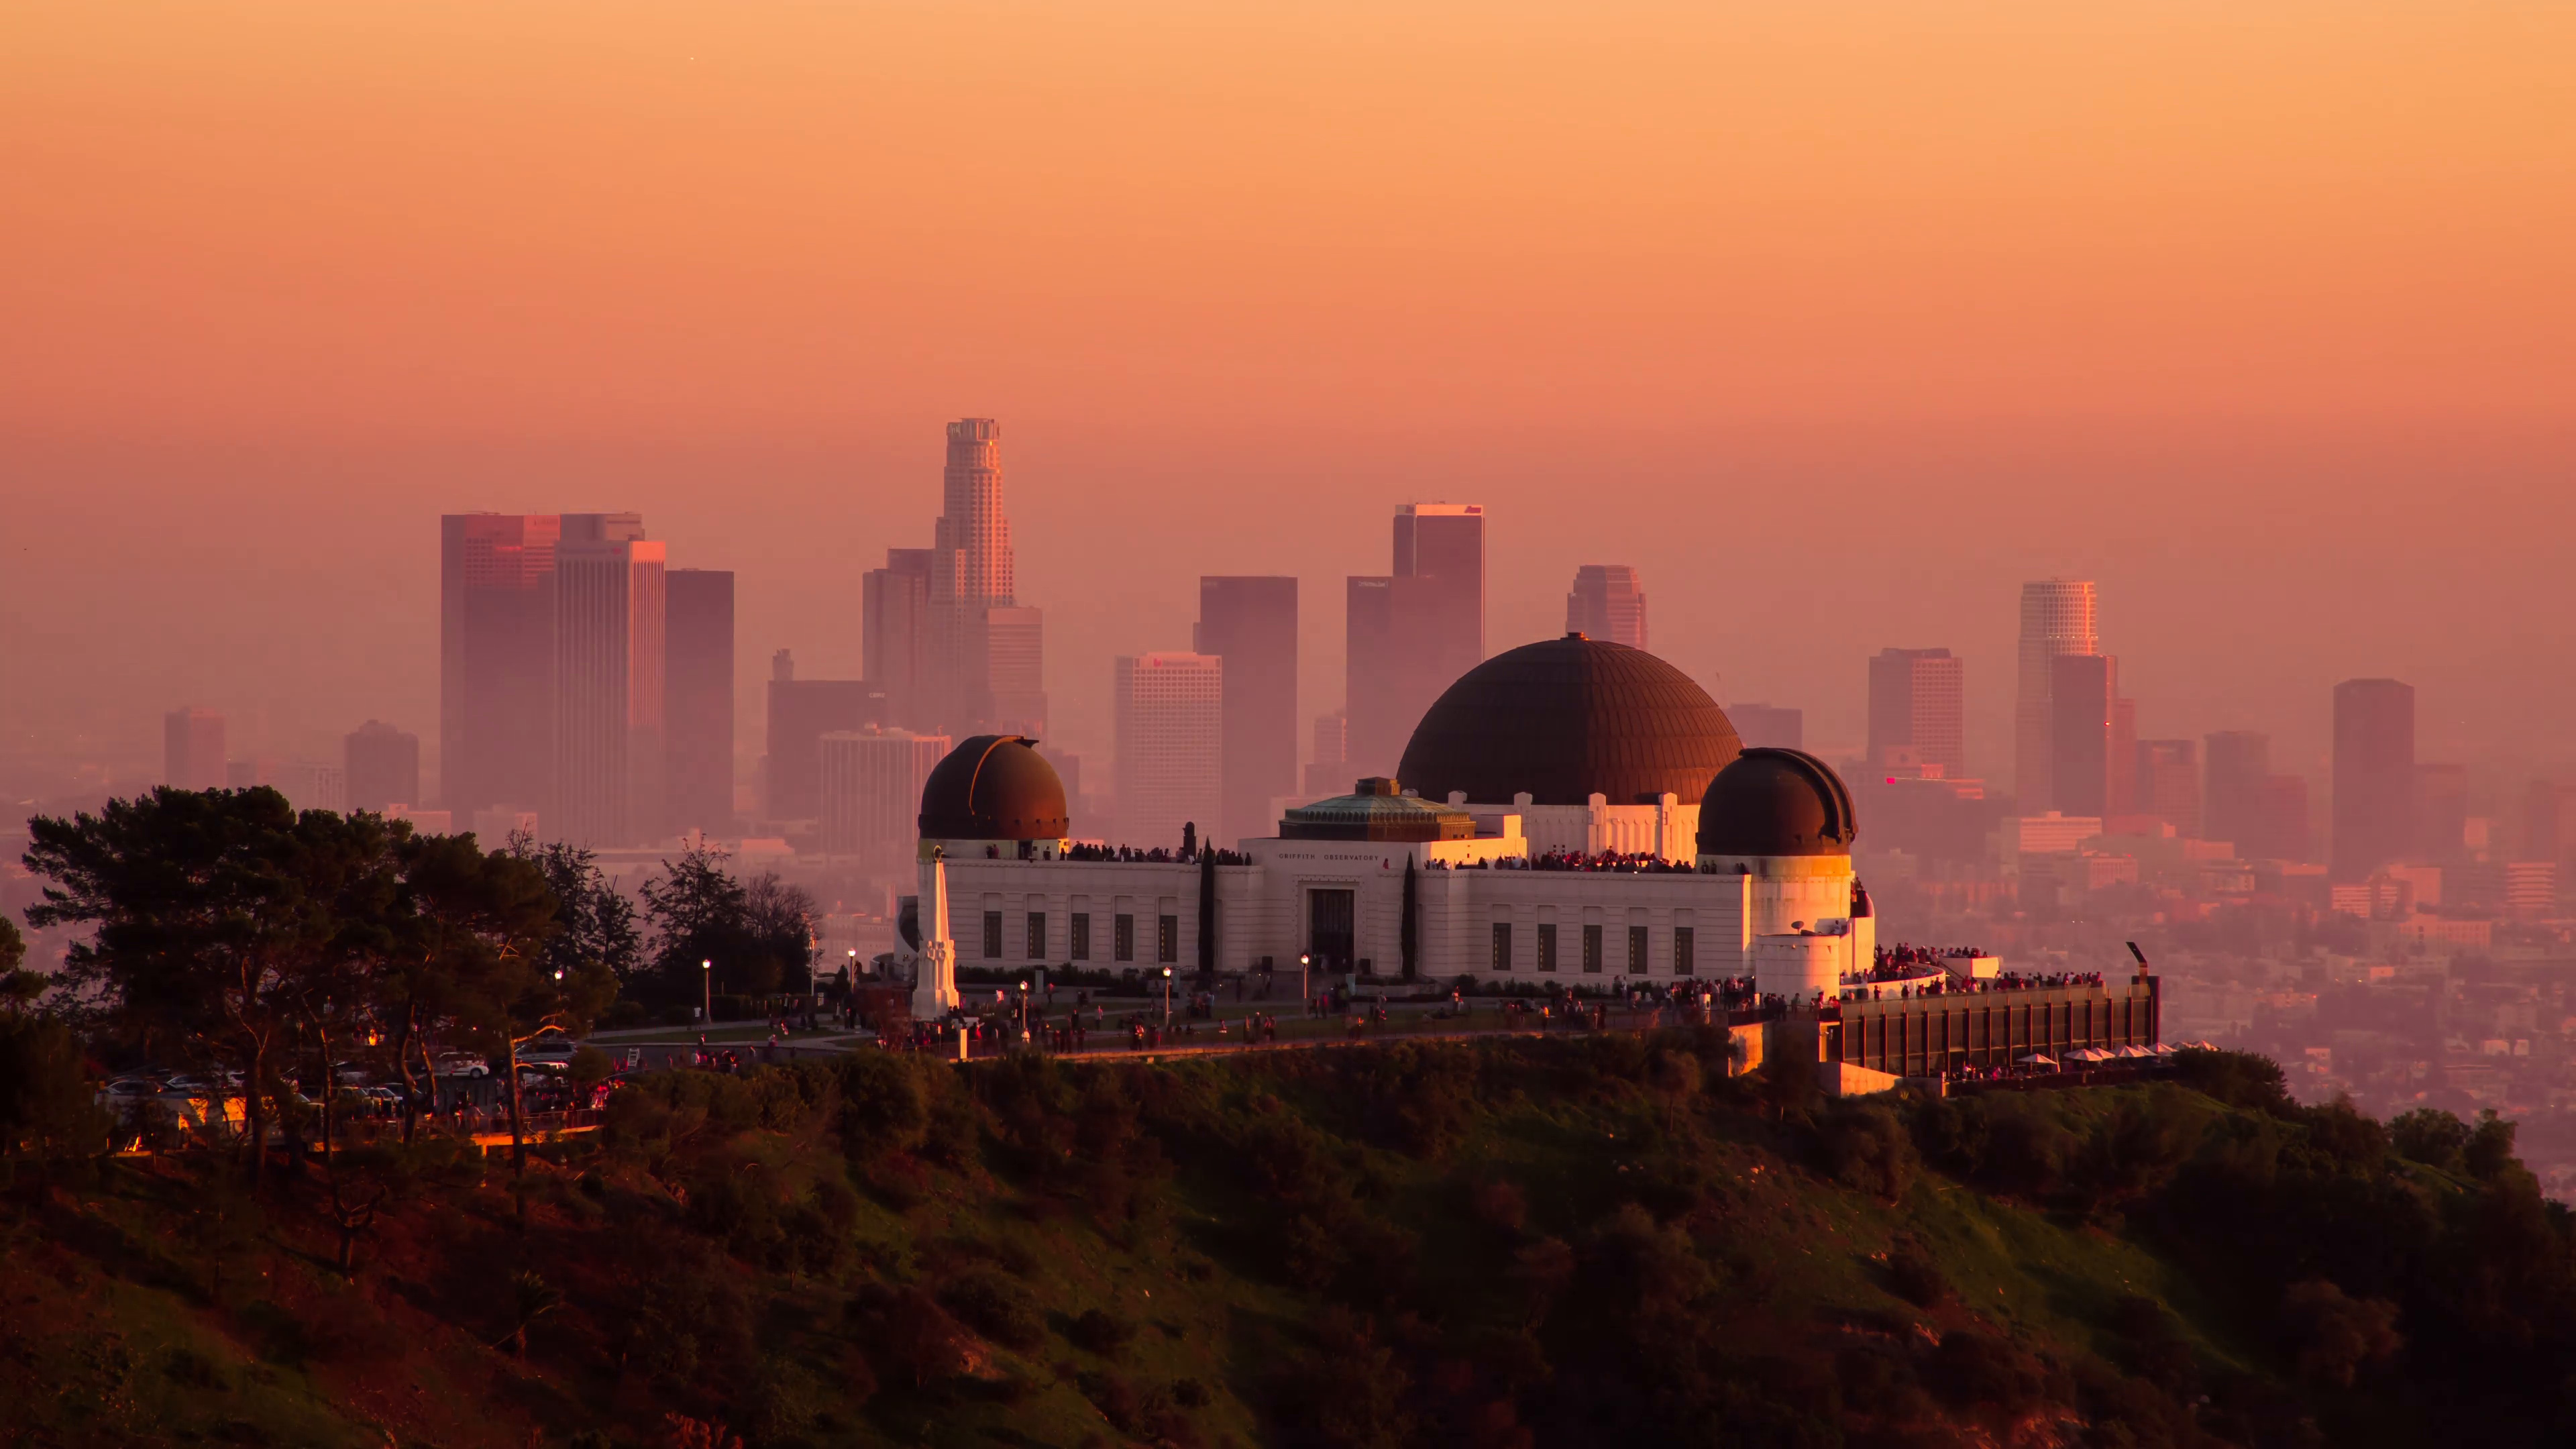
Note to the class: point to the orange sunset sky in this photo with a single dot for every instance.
(1838, 320)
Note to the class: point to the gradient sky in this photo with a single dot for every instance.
(1838, 320)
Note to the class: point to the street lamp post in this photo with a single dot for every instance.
(1167, 998)
(1024, 1011)
(707, 971)
(1305, 987)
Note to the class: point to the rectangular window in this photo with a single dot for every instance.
(1167, 938)
(1080, 945)
(992, 935)
(1037, 935)
(1685, 963)
(1592, 950)
(1547, 945)
(1125, 937)
(1636, 950)
(1502, 945)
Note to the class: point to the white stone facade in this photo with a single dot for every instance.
(1555, 926)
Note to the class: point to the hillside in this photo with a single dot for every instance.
(1505, 1243)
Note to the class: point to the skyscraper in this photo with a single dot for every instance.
(895, 644)
(1171, 759)
(987, 650)
(2083, 694)
(697, 679)
(1769, 726)
(2441, 812)
(1328, 770)
(2057, 617)
(2374, 775)
(1918, 702)
(2548, 820)
(1250, 622)
(192, 749)
(382, 765)
(496, 659)
(2280, 827)
(1607, 602)
(870, 793)
(2168, 788)
(1413, 631)
(801, 712)
(609, 616)
(2121, 795)
(2235, 764)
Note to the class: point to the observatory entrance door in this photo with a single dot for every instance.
(1330, 933)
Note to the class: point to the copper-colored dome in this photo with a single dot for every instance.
(1564, 719)
(993, 787)
(1777, 802)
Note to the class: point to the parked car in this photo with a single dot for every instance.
(461, 1064)
(549, 1047)
(350, 1074)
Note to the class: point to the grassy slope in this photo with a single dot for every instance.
(118, 1326)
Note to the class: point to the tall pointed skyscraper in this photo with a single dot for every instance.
(2057, 617)
(987, 665)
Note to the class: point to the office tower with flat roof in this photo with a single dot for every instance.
(697, 715)
(496, 659)
(2083, 695)
(1770, 726)
(987, 661)
(382, 765)
(2548, 821)
(894, 647)
(1013, 647)
(1328, 765)
(2280, 829)
(2374, 776)
(2234, 764)
(2057, 617)
(192, 749)
(869, 791)
(2168, 784)
(1250, 622)
(1171, 756)
(610, 652)
(1607, 602)
(2441, 812)
(801, 712)
(1918, 703)
(1412, 631)
(2121, 797)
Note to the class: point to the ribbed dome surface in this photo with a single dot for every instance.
(1777, 802)
(1376, 812)
(993, 787)
(1565, 718)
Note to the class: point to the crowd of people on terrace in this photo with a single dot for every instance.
(1644, 862)
(1158, 855)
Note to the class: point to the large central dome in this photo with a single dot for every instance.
(993, 787)
(1567, 718)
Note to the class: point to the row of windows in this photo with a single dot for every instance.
(1685, 960)
(1122, 937)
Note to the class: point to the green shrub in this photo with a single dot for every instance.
(1102, 1332)
(996, 1306)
